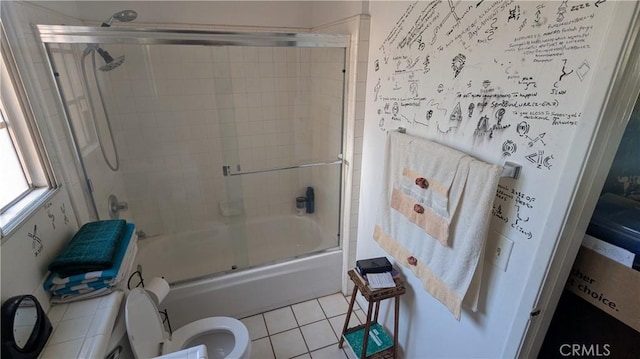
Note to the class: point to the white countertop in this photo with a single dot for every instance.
(82, 329)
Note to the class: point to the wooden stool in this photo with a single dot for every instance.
(374, 296)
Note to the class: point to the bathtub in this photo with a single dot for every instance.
(284, 260)
(247, 292)
(224, 247)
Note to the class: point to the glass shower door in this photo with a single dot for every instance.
(214, 141)
(282, 140)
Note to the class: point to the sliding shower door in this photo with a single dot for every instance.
(212, 145)
(281, 125)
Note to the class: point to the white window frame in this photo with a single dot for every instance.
(20, 120)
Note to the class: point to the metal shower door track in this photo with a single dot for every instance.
(147, 36)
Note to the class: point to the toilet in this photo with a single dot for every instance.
(224, 337)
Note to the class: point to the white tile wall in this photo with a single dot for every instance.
(182, 112)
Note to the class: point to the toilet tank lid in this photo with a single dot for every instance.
(144, 324)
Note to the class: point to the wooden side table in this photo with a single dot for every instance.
(374, 296)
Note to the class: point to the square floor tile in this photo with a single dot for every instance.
(330, 352)
(303, 356)
(256, 326)
(288, 344)
(337, 323)
(362, 316)
(308, 312)
(356, 305)
(261, 349)
(318, 334)
(334, 304)
(280, 320)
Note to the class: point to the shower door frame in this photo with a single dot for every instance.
(144, 36)
(69, 34)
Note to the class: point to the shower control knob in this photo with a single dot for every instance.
(115, 207)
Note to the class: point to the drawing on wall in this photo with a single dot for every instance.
(63, 210)
(497, 212)
(563, 74)
(539, 18)
(540, 159)
(538, 138)
(446, 128)
(499, 117)
(457, 64)
(425, 64)
(36, 242)
(51, 216)
(583, 70)
(509, 147)
(562, 10)
(456, 114)
(527, 82)
(491, 31)
(413, 89)
(519, 69)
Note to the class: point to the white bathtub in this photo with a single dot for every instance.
(223, 247)
(243, 293)
(288, 258)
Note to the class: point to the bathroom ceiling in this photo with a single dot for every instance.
(295, 14)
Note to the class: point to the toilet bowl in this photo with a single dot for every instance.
(224, 337)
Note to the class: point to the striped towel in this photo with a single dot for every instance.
(82, 288)
(126, 248)
(68, 298)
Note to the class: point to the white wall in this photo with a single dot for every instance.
(498, 66)
(326, 12)
(28, 250)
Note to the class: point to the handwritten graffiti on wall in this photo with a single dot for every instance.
(505, 77)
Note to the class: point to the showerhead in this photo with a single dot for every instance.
(110, 62)
(122, 16)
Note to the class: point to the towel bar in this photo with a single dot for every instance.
(509, 169)
(226, 170)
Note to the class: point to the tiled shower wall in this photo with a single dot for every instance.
(182, 112)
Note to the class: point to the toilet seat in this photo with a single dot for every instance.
(146, 331)
(210, 325)
(144, 325)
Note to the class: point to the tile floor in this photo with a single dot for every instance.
(304, 330)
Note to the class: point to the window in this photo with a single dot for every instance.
(25, 175)
(13, 181)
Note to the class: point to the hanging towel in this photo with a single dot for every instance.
(446, 272)
(92, 248)
(124, 249)
(429, 189)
